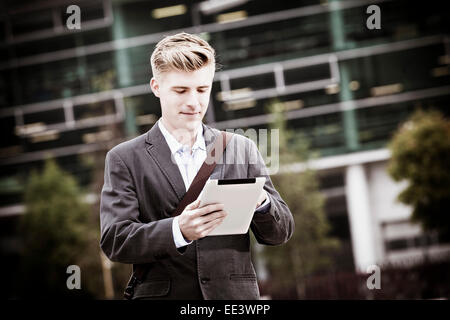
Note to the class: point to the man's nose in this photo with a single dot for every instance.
(193, 101)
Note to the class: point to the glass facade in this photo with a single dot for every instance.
(343, 86)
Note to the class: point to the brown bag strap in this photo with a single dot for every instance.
(196, 187)
(203, 174)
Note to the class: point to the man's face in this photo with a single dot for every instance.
(184, 97)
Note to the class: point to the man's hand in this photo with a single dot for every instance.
(262, 198)
(196, 223)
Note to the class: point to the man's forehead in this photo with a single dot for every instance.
(199, 78)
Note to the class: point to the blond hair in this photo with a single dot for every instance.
(183, 52)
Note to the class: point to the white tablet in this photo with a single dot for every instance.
(239, 196)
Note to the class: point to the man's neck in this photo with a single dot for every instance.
(183, 136)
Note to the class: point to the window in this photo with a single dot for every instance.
(93, 110)
(46, 117)
(31, 22)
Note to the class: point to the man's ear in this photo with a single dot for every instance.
(154, 86)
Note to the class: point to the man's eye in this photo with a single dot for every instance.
(180, 91)
(201, 90)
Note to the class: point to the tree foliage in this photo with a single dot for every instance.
(421, 156)
(55, 234)
(306, 252)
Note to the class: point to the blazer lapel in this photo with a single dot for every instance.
(159, 150)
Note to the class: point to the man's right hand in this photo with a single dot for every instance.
(196, 223)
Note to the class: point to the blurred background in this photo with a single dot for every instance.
(362, 113)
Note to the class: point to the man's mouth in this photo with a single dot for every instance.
(190, 113)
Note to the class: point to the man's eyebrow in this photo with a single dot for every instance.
(182, 87)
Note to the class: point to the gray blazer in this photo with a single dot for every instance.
(142, 187)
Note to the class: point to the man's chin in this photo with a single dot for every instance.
(192, 124)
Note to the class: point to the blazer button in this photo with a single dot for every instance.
(204, 280)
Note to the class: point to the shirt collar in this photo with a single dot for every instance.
(175, 146)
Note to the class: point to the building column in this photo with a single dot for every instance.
(361, 222)
(123, 68)
(339, 42)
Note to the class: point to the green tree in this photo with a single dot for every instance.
(421, 155)
(55, 234)
(306, 252)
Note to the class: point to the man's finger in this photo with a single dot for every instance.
(193, 205)
(213, 216)
(210, 226)
(208, 209)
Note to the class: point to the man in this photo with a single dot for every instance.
(146, 177)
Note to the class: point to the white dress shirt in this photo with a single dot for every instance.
(189, 164)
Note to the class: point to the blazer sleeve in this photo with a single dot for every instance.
(123, 237)
(277, 225)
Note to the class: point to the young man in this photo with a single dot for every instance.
(146, 177)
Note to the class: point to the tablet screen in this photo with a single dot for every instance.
(239, 196)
